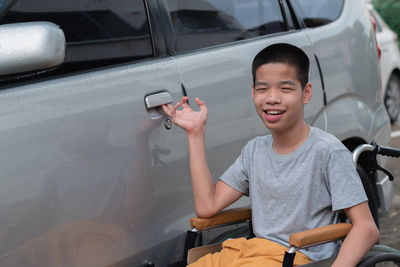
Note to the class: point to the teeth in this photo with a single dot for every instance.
(274, 112)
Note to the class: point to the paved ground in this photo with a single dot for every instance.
(390, 223)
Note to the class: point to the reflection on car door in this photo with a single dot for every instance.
(99, 177)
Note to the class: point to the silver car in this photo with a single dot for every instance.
(92, 171)
(390, 64)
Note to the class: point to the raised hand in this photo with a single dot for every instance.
(193, 122)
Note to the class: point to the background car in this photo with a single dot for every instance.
(92, 171)
(390, 64)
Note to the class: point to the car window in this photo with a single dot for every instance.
(203, 23)
(317, 13)
(98, 33)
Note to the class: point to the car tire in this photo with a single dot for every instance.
(368, 182)
(392, 97)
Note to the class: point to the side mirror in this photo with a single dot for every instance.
(30, 46)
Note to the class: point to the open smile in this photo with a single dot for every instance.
(273, 115)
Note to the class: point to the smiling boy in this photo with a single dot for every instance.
(298, 177)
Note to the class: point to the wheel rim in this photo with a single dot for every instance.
(392, 97)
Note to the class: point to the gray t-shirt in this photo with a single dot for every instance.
(298, 191)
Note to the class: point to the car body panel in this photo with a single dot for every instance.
(389, 64)
(84, 151)
(390, 56)
(341, 43)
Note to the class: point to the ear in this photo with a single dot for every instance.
(307, 93)
(252, 90)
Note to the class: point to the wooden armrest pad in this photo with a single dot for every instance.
(225, 216)
(319, 235)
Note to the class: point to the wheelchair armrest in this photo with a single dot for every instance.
(319, 235)
(224, 217)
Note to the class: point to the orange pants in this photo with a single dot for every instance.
(252, 252)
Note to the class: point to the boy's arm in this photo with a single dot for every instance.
(209, 198)
(362, 236)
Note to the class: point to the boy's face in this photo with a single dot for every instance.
(278, 96)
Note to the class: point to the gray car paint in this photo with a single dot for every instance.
(83, 152)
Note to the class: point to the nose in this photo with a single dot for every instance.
(273, 97)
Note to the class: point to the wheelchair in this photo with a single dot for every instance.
(379, 255)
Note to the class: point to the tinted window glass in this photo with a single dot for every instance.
(203, 23)
(97, 32)
(316, 13)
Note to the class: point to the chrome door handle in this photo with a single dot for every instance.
(157, 99)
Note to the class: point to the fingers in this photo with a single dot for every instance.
(166, 109)
(177, 106)
(169, 109)
(184, 101)
(201, 104)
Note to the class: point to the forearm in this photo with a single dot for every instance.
(202, 182)
(358, 242)
(209, 198)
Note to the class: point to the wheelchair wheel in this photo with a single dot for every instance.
(387, 264)
(381, 256)
(383, 259)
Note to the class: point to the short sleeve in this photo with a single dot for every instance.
(343, 181)
(236, 176)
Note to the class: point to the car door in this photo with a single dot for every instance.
(216, 42)
(91, 172)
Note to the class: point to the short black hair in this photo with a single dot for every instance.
(283, 53)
